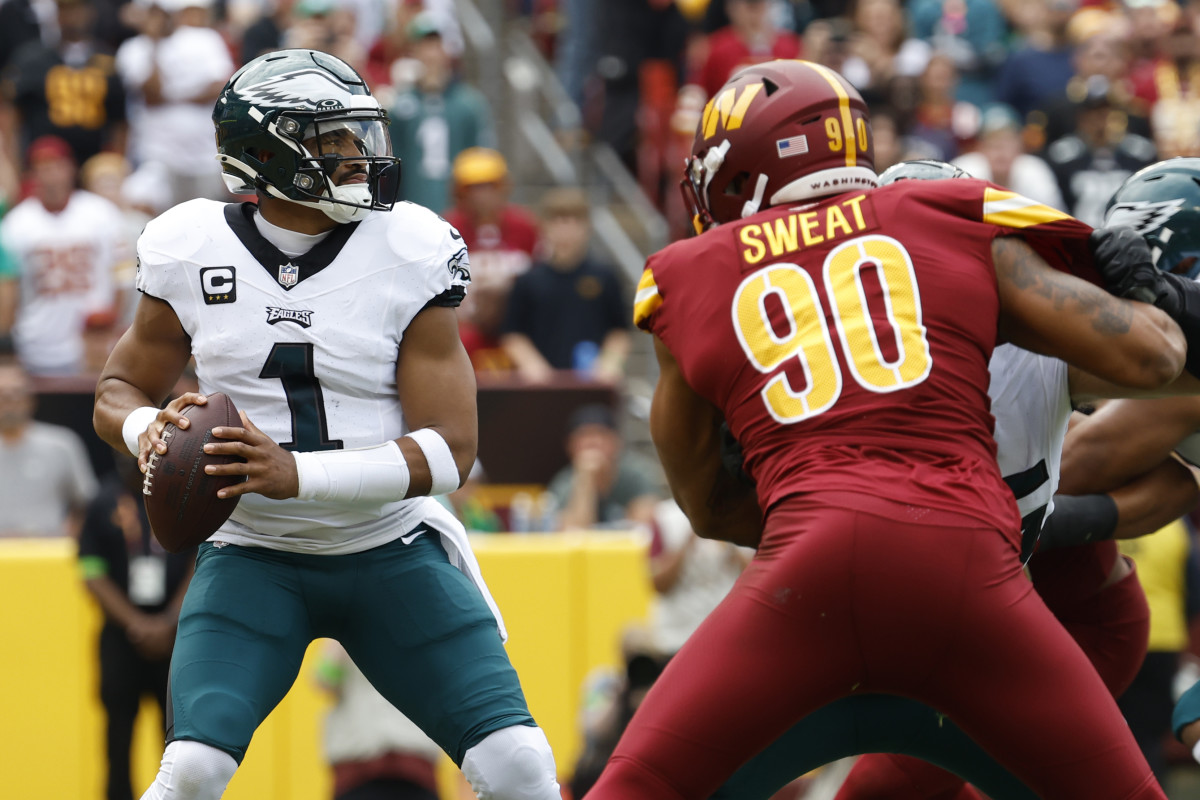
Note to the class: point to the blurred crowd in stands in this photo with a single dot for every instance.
(105, 122)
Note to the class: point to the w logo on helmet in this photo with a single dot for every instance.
(727, 109)
(308, 88)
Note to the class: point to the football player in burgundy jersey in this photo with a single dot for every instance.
(1094, 594)
(844, 333)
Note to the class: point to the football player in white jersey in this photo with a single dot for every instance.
(1092, 591)
(328, 317)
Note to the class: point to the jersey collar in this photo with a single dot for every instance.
(240, 217)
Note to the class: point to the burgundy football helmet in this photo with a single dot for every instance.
(778, 132)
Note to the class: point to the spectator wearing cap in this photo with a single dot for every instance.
(501, 237)
(172, 72)
(434, 116)
(1001, 159)
(70, 90)
(67, 243)
(568, 311)
(604, 485)
(1091, 162)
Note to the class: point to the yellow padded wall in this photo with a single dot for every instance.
(565, 599)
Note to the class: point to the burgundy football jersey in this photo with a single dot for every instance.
(846, 342)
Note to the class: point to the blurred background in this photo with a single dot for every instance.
(552, 134)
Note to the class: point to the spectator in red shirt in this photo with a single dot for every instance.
(750, 38)
(500, 237)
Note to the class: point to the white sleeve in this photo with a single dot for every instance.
(431, 245)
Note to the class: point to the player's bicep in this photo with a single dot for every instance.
(153, 351)
(436, 382)
(1051, 312)
(144, 366)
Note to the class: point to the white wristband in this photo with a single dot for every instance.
(442, 469)
(1196, 752)
(135, 425)
(368, 475)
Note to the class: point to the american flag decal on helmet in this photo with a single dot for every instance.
(792, 146)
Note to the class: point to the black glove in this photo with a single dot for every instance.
(1127, 264)
(1124, 259)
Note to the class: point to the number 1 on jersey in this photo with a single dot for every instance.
(292, 363)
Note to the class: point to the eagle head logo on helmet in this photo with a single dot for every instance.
(289, 120)
(778, 132)
(1162, 203)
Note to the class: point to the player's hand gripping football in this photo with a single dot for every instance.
(269, 469)
(151, 439)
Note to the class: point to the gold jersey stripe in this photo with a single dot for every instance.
(849, 135)
(1015, 211)
(647, 299)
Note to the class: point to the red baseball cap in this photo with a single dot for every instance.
(48, 148)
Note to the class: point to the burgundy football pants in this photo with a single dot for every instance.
(1111, 625)
(898, 599)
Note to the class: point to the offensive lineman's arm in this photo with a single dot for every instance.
(685, 428)
(1050, 312)
(1087, 388)
(1123, 440)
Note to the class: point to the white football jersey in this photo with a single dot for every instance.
(67, 260)
(305, 346)
(1031, 401)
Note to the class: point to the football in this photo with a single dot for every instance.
(181, 498)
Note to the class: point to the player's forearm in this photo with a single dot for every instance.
(115, 399)
(717, 505)
(1100, 455)
(1128, 343)
(1158, 498)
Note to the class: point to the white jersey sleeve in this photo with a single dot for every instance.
(165, 253)
(432, 247)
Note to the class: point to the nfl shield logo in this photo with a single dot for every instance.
(288, 274)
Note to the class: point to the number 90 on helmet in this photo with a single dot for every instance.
(1162, 203)
(288, 120)
(778, 132)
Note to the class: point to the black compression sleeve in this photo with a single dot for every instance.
(1079, 519)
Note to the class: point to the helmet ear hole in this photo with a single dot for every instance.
(735, 187)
